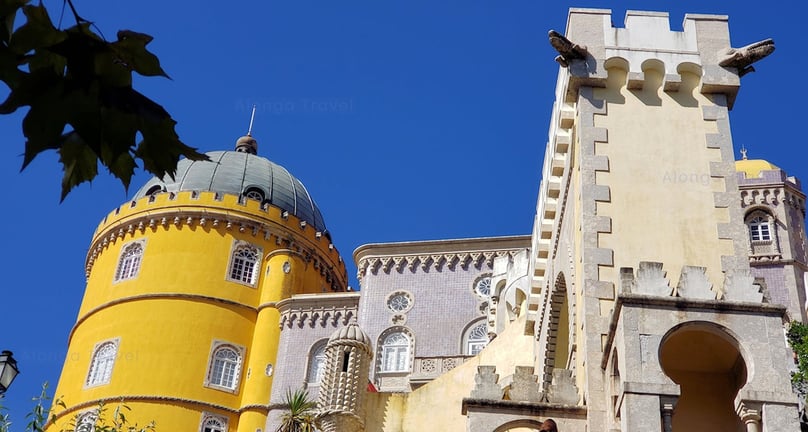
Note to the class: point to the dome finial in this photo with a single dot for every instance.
(248, 144)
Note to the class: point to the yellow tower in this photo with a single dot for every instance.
(178, 318)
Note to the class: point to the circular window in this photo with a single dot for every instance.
(483, 286)
(399, 301)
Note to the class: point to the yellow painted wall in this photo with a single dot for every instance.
(167, 317)
(416, 411)
(662, 202)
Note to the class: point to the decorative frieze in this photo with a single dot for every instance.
(426, 369)
(425, 263)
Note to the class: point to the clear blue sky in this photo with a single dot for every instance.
(405, 120)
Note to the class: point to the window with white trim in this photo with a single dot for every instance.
(760, 229)
(316, 363)
(101, 363)
(244, 263)
(395, 352)
(85, 422)
(482, 286)
(476, 338)
(129, 261)
(213, 423)
(224, 367)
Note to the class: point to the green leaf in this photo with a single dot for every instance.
(8, 12)
(43, 127)
(79, 162)
(131, 50)
(38, 31)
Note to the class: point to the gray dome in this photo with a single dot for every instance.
(241, 173)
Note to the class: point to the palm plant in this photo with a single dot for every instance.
(300, 417)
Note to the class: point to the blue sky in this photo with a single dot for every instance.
(405, 120)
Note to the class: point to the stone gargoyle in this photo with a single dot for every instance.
(742, 58)
(567, 50)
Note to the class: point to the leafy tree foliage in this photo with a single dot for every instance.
(42, 417)
(300, 417)
(78, 87)
(798, 338)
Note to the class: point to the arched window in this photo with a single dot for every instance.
(476, 338)
(129, 262)
(760, 229)
(85, 422)
(244, 264)
(395, 350)
(225, 367)
(213, 423)
(316, 363)
(103, 360)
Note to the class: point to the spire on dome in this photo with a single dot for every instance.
(248, 144)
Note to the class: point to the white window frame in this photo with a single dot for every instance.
(85, 421)
(210, 421)
(100, 369)
(760, 228)
(213, 377)
(473, 340)
(316, 365)
(129, 263)
(242, 269)
(394, 301)
(483, 281)
(395, 356)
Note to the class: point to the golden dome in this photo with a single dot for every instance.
(752, 167)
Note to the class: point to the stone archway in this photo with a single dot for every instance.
(520, 426)
(708, 365)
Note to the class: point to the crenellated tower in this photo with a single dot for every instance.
(180, 316)
(640, 239)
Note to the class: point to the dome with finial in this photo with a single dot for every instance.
(241, 172)
(753, 167)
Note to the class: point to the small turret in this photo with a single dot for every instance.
(344, 383)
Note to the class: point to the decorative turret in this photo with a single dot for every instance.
(344, 383)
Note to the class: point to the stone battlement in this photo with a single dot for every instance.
(650, 279)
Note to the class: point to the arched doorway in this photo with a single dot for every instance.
(706, 363)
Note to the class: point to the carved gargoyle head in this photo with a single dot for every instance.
(742, 58)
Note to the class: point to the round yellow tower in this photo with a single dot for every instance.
(178, 318)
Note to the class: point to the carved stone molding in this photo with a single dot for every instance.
(309, 311)
(425, 263)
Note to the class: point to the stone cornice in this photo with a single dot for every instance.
(318, 310)
(162, 296)
(159, 398)
(179, 217)
(426, 261)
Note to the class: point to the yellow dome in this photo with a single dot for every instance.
(753, 167)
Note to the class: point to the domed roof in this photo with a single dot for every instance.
(241, 173)
(351, 332)
(753, 167)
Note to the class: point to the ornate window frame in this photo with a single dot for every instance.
(211, 422)
(399, 301)
(404, 350)
(215, 375)
(129, 261)
(85, 421)
(475, 337)
(315, 367)
(102, 363)
(244, 265)
(482, 283)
